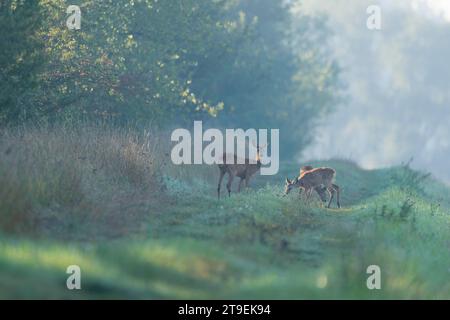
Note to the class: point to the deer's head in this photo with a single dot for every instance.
(289, 185)
(259, 150)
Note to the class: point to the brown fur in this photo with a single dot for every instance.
(304, 169)
(316, 178)
(321, 191)
(243, 171)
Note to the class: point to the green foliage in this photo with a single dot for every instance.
(275, 75)
(21, 57)
(130, 60)
(235, 63)
(409, 179)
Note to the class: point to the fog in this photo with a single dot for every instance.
(397, 102)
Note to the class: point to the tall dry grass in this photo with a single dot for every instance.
(87, 171)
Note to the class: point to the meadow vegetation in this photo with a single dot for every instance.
(82, 183)
(109, 200)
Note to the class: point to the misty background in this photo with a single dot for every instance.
(398, 80)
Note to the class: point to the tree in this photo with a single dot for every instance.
(169, 62)
(131, 59)
(275, 75)
(21, 57)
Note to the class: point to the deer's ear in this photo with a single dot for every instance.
(287, 180)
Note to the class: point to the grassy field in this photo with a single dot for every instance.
(140, 228)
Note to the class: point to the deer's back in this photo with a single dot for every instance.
(319, 176)
(238, 169)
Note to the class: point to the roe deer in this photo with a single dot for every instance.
(244, 171)
(320, 190)
(313, 179)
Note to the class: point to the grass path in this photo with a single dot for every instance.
(256, 244)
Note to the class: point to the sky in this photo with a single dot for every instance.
(437, 8)
(397, 97)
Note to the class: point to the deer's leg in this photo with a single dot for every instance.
(222, 173)
(300, 191)
(247, 181)
(240, 184)
(308, 193)
(331, 193)
(336, 187)
(230, 181)
(304, 193)
(321, 192)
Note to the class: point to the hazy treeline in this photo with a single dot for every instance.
(235, 63)
(398, 84)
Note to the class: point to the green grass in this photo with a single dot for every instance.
(179, 241)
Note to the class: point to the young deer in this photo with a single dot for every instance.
(320, 190)
(313, 179)
(243, 171)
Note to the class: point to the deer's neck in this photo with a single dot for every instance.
(258, 159)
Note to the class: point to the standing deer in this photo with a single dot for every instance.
(320, 190)
(243, 171)
(313, 179)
